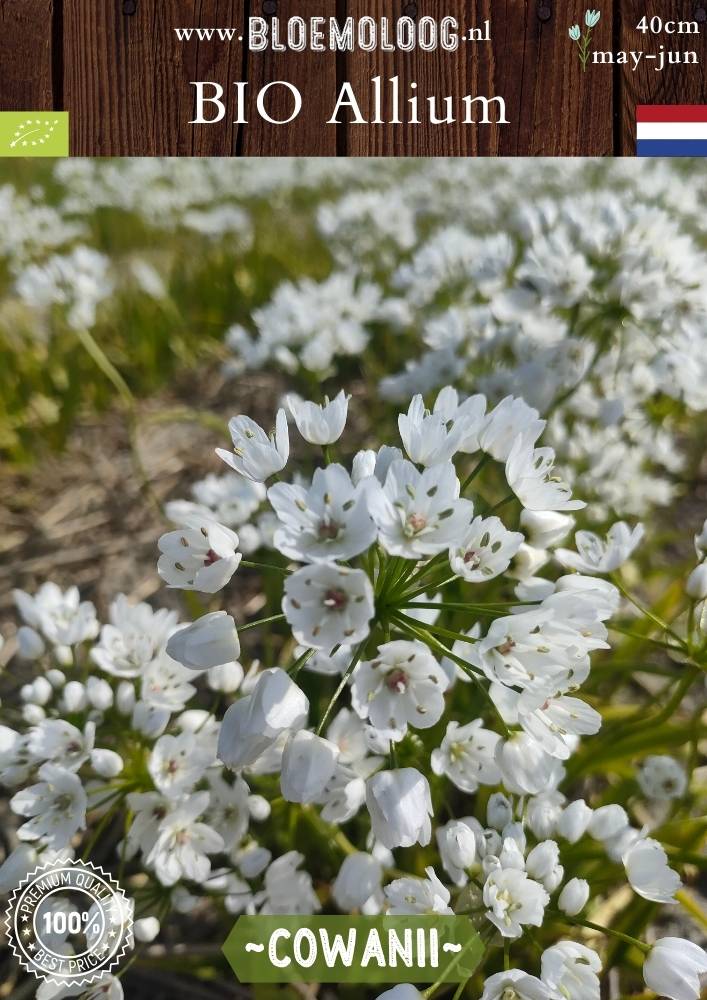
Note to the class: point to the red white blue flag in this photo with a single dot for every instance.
(671, 130)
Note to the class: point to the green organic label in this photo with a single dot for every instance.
(34, 133)
(408, 949)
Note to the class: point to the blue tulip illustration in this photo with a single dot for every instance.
(591, 19)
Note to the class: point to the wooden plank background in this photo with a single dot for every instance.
(117, 66)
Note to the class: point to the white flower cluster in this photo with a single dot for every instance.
(410, 584)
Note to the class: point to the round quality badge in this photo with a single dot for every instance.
(69, 923)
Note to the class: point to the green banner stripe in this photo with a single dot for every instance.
(341, 949)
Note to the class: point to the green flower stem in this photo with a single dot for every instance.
(260, 621)
(342, 684)
(99, 357)
(452, 965)
(294, 670)
(471, 671)
(424, 590)
(645, 638)
(647, 612)
(581, 922)
(485, 458)
(501, 503)
(460, 989)
(506, 954)
(249, 564)
(439, 629)
(491, 608)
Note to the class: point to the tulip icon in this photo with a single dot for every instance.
(591, 19)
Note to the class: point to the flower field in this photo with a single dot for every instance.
(357, 559)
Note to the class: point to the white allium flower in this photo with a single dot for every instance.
(326, 522)
(61, 616)
(359, 878)
(647, 870)
(526, 768)
(327, 605)
(574, 896)
(662, 778)
(675, 968)
(253, 724)
(56, 807)
(183, 844)
(286, 889)
(208, 642)
(595, 555)
(60, 741)
(505, 423)
(428, 438)
(404, 991)
(418, 895)
(133, 637)
(485, 550)
(200, 557)
(177, 763)
(404, 685)
(515, 985)
(529, 474)
(571, 970)
(419, 513)
(550, 720)
(514, 900)
(545, 528)
(255, 455)
(400, 807)
(466, 756)
(166, 684)
(320, 424)
(308, 764)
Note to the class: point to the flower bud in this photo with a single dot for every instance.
(74, 697)
(30, 644)
(64, 655)
(499, 811)
(696, 586)
(400, 806)
(40, 691)
(106, 763)
(33, 714)
(574, 821)
(56, 678)
(543, 813)
(358, 879)
(457, 848)
(150, 720)
(308, 764)
(208, 642)
(254, 723)
(608, 821)
(253, 860)
(99, 693)
(258, 807)
(545, 528)
(125, 698)
(146, 928)
(574, 896)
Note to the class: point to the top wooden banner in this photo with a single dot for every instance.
(352, 78)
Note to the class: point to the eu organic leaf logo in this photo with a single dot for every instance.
(591, 19)
(33, 132)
